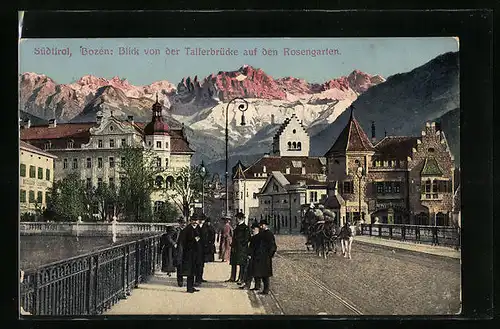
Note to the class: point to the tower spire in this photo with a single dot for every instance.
(352, 112)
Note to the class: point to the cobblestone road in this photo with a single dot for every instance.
(377, 281)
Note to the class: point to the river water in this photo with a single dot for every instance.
(37, 250)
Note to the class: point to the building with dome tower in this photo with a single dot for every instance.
(92, 149)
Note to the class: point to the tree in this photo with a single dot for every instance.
(67, 198)
(186, 188)
(137, 172)
(102, 199)
(166, 212)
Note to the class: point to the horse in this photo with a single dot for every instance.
(324, 238)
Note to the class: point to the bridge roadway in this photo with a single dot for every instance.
(382, 278)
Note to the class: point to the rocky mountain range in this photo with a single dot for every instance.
(400, 105)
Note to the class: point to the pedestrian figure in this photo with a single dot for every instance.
(265, 248)
(346, 239)
(209, 248)
(168, 245)
(178, 251)
(249, 269)
(201, 228)
(239, 248)
(191, 253)
(226, 238)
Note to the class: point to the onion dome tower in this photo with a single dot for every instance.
(157, 136)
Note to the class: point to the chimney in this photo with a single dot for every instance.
(374, 138)
(272, 119)
(52, 123)
(130, 119)
(27, 123)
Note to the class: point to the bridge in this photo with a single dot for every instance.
(384, 277)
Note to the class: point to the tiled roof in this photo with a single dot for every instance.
(294, 179)
(431, 168)
(352, 138)
(395, 147)
(276, 163)
(79, 133)
(32, 148)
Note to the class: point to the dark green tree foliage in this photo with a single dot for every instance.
(67, 199)
(167, 212)
(138, 170)
(105, 201)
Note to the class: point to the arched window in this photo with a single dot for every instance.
(158, 206)
(289, 145)
(170, 181)
(441, 219)
(294, 145)
(428, 186)
(159, 181)
(374, 163)
(299, 145)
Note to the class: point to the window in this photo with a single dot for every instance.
(299, 145)
(75, 163)
(255, 195)
(159, 181)
(70, 144)
(99, 162)
(39, 198)
(388, 187)
(166, 162)
(380, 187)
(374, 163)
(31, 196)
(294, 145)
(47, 145)
(111, 162)
(430, 150)
(311, 196)
(89, 183)
(89, 162)
(40, 173)
(397, 187)
(111, 143)
(158, 162)
(294, 131)
(348, 188)
(111, 182)
(32, 172)
(65, 164)
(158, 144)
(289, 145)
(22, 170)
(149, 143)
(124, 142)
(428, 186)
(22, 196)
(47, 174)
(166, 145)
(99, 143)
(99, 182)
(169, 181)
(47, 197)
(389, 163)
(435, 186)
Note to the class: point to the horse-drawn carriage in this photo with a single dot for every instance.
(320, 228)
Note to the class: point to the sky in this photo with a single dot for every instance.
(383, 56)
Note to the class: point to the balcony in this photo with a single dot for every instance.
(431, 196)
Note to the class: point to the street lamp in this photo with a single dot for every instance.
(243, 106)
(203, 174)
(360, 173)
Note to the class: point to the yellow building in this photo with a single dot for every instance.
(36, 171)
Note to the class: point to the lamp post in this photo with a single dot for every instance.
(203, 174)
(241, 107)
(359, 173)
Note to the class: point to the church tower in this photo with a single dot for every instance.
(157, 136)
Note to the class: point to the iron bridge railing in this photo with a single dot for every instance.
(435, 235)
(90, 284)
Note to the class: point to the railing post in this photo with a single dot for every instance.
(435, 235)
(379, 231)
(36, 294)
(137, 262)
(390, 232)
(124, 271)
(417, 234)
(371, 229)
(403, 232)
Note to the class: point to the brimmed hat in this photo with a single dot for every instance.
(240, 215)
(255, 225)
(263, 222)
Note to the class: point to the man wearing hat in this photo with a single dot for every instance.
(248, 273)
(264, 252)
(190, 253)
(239, 248)
(225, 237)
(178, 250)
(209, 247)
(198, 279)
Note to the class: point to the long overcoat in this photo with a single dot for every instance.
(226, 238)
(208, 233)
(252, 251)
(239, 247)
(189, 251)
(168, 241)
(265, 248)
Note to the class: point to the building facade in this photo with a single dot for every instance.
(290, 156)
(399, 179)
(284, 198)
(36, 176)
(93, 150)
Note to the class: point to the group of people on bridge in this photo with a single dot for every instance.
(186, 248)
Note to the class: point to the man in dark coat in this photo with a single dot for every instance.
(262, 260)
(249, 272)
(209, 241)
(178, 251)
(190, 253)
(168, 245)
(201, 257)
(239, 248)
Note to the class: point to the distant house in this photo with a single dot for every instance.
(290, 156)
(399, 179)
